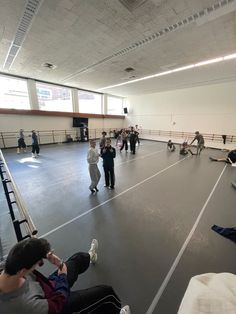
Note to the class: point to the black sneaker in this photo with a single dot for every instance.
(106, 186)
(93, 191)
(96, 189)
(111, 187)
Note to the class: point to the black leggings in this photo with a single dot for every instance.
(96, 300)
(35, 148)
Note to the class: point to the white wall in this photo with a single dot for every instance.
(209, 109)
(12, 123)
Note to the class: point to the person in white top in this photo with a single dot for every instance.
(93, 158)
(210, 293)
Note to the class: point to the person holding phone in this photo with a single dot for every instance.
(108, 153)
(25, 290)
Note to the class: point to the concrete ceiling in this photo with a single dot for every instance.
(92, 42)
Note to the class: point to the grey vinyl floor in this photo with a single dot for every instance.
(154, 229)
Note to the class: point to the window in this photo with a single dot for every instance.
(114, 105)
(13, 93)
(90, 102)
(54, 98)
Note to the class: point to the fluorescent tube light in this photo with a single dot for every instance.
(184, 68)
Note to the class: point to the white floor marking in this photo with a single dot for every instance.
(75, 175)
(134, 159)
(112, 198)
(181, 252)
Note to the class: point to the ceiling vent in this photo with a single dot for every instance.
(49, 66)
(30, 11)
(131, 5)
(129, 70)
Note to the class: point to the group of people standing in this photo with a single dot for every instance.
(108, 153)
(125, 135)
(22, 146)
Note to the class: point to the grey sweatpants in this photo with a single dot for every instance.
(95, 175)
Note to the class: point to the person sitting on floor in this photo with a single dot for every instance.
(170, 146)
(184, 149)
(230, 159)
(24, 290)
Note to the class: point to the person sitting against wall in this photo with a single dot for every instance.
(230, 159)
(25, 290)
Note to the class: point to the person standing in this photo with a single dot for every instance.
(124, 137)
(103, 140)
(21, 142)
(108, 153)
(35, 144)
(93, 158)
(132, 140)
(137, 133)
(200, 142)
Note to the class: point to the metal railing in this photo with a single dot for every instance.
(218, 138)
(15, 201)
(9, 139)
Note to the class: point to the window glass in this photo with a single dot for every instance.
(90, 102)
(13, 93)
(54, 98)
(114, 105)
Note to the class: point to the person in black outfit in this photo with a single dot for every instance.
(132, 140)
(21, 142)
(183, 149)
(231, 158)
(108, 153)
(35, 144)
(171, 146)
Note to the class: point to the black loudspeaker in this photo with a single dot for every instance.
(125, 110)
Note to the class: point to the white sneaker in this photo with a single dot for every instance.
(93, 251)
(33, 155)
(125, 310)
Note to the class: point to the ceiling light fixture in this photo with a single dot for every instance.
(184, 68)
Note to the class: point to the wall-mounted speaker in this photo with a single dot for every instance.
(125, 110)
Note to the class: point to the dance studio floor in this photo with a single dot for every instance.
(154, 229)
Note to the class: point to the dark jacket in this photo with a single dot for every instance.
(108, 154)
